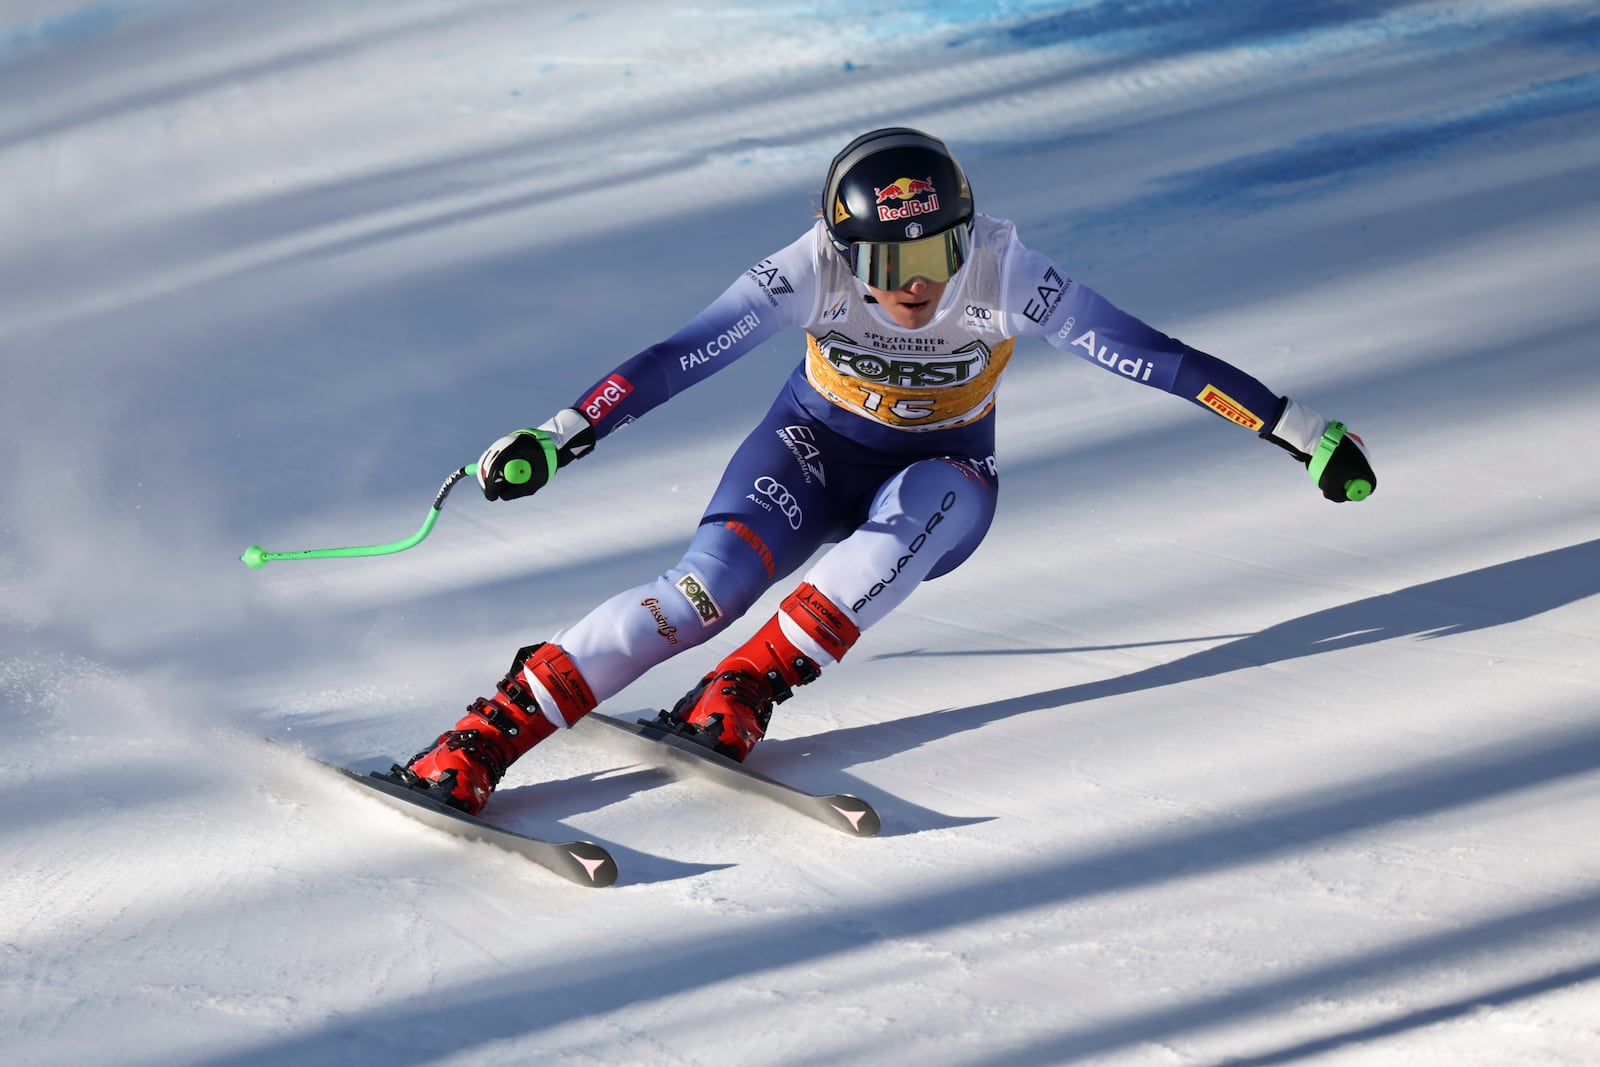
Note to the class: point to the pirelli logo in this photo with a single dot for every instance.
(1229, 408)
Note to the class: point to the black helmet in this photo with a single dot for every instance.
(897, 206)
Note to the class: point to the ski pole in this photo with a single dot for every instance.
(255, 557)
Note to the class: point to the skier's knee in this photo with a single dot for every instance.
(956, 495)
(953, 489)
(715, 591)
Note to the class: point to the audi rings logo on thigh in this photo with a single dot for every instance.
(776, 492)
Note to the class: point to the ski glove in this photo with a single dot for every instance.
(1336, 458)
(521, 462)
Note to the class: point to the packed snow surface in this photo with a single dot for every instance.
(1186, 766)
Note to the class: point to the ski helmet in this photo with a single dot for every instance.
(897, 206)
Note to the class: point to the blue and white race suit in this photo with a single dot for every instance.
(880, 443)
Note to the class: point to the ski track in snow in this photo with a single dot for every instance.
(1184, 767)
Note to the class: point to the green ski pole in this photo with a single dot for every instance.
(255, 557)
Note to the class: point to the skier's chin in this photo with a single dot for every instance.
(911, 314)
(912, 306)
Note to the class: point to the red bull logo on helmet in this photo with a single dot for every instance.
(906, 198)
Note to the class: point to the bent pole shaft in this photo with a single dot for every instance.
(255, 557)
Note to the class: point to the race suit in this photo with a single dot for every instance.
(880, 443)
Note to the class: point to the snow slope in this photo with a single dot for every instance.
(1186, 766)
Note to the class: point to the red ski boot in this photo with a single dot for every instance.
(468, 760)
(729, 710)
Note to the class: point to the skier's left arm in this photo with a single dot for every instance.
(1043, 302)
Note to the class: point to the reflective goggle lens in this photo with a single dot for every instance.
(890, 265)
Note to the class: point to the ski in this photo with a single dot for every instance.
(839, 810)
(583, 862)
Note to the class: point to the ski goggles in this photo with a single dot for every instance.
(892, 264)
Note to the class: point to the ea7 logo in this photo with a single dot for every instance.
(772, 283)
(1050, 288)
(801, 441)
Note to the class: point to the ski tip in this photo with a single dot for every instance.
(582, 862)
(593, 862)
(855, 814)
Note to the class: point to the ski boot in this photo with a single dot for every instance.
(468, 760)
(730, 708)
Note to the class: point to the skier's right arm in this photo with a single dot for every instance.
(778, 291)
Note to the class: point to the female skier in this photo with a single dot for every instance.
(881, 442)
